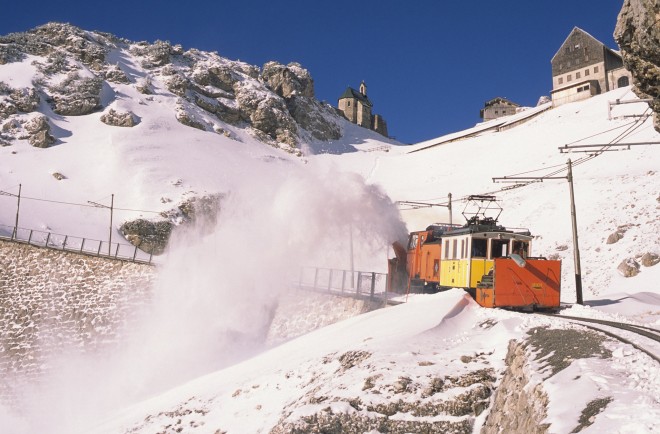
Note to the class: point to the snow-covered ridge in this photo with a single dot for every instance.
(80, 72)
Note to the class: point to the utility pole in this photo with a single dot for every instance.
(111, 207)
(14, 233)
(18, 208)
(449, 208)
(576, 249)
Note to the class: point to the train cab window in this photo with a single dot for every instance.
(446, 249)
(520, 248)
(499, 248)
(412, 243)
(462, 249)
(453, 253)
(479, 247)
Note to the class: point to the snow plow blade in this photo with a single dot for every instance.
(537, 285)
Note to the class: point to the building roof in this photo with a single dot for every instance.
(352, 93)
(499, 99)
(576, 30)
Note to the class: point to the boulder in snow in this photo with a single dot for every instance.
(39, 132)
(118, 119)
(628, 268)
(650, 259)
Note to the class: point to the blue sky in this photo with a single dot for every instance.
(429, 65)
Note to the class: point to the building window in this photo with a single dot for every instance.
(568, 50)
(623, 81)
(577, 75)
(569, 78)
(595, 69)
(348, 104)
(586, 72)
(560, 80)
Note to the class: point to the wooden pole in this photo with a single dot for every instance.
(576, 249)
(18, 208)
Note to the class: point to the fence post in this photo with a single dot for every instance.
(30, 237)
(373, 285)
(330, 281)
(82, 245)
(316, 276)
(117, 251)
(134, 253)
(99, 251)
(14, 233)
(151, 254)
(64, 243)
(359, 283)
(47, 239)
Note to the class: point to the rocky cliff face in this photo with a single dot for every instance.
(638, 34)
(80, 72)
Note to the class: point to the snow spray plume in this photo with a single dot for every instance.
(217, 292)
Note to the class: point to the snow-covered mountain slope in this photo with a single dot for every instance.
(150, 123)
(281, 211)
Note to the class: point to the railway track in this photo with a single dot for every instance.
(647, 332)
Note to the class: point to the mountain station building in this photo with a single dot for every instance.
(584, 67)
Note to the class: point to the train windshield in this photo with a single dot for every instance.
(479, 247)
(521, 248)
(412, 242)
(499, 248)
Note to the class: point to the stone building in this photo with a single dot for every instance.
(356, 107)
(584, 67)
(498, 107)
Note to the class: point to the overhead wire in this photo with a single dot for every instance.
(630, 128)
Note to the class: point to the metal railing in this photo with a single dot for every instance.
(359, 284)
(68, 243)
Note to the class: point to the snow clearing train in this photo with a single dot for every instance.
(492, 263)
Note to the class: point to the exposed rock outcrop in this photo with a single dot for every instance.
(118, 119)
(150, 237)
(153, 236)
(288, 80)
(276, 104)
(76, 95)
(39, 132)
(518, 407)
(638, 35)
(13, 101)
